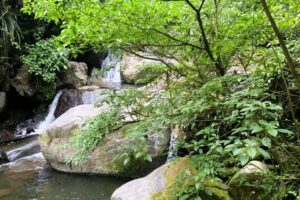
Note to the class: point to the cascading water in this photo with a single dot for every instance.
(172, 147)
(89, 97)
(112, 67)
(50, 116)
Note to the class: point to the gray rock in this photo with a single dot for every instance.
(130, 71)
(160, 184)
(75, 76)
(68, 99)
(29, 149)
(24, 83)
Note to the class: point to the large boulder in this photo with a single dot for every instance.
(249, 182)
(76, 75)
(159, 185)
(131, 71)
(57, 147)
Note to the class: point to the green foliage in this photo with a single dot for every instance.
(93, 131)
(229, 120)
(45, 59)
(9, 30)
(150, 72)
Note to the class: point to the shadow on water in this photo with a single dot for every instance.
(47, 184)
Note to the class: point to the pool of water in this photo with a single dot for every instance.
(47, 184)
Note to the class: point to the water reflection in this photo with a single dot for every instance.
(47, 184)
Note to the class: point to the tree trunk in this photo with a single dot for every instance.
(285, 50)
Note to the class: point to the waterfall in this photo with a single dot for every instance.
(112, 69)
(172, 147)
(50, 116)
(89, 97)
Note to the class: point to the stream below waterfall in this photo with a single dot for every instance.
(24, 173)
(47, 184)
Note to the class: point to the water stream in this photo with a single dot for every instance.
(112, 69)
(23, 179)
(47, 184)
(50, 116)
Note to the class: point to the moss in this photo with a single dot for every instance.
(44, 139)
(171, 171)
(183, 165)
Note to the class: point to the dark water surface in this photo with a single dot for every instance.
(47, 184)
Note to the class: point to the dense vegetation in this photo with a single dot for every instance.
(228, 118)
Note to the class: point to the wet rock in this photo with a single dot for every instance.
(3, 158)
(99, 81)
(22, 170)
(75, 76)
(68, 99)
(7, 131)
(26, 127)
(29, 149)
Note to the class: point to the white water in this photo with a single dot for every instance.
(50, 116)
(112, 67)
(172, 148)
(89, 97)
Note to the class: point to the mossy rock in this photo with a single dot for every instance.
(183, 166)
(250, 182)
(159, 185)
(136, 70)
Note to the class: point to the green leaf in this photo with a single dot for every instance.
(244, 159)
(149, 158)
(266, 142)
(264, 153)
(251, 152)
(273, 132)
(285, 131)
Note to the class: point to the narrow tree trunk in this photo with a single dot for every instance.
(285, 50)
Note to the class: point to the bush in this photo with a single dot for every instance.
(45, 59)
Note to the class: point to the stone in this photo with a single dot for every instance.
(247, 184)
(130, 68)
(68, 99)
(75, 76)
(89, 88)
(24, 83)
(31, 148)
(28, 163)
(71, 98)
(57, 147)
(3, 101)
(99, 81)
(22, 170)
(159, 185)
